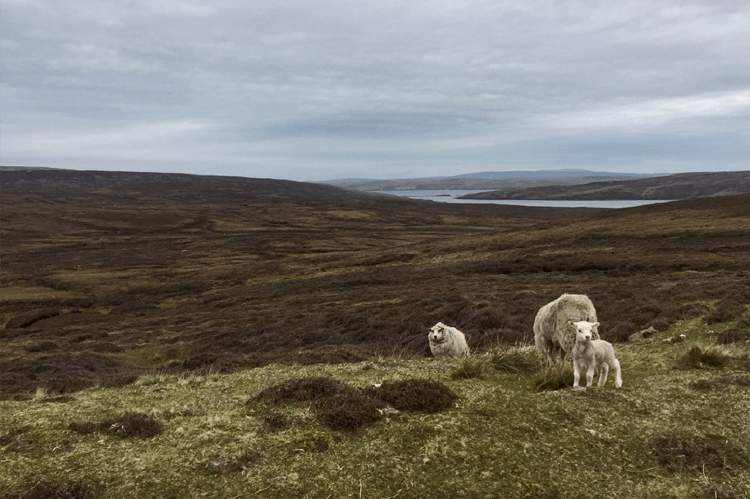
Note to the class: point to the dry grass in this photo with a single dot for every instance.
(667, 433)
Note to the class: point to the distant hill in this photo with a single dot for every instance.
(34, 179)
(488, 180)
(679, 186)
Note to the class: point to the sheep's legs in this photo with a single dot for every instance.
(576, 375)
(590, 375)
(603, 373)
(618, 374)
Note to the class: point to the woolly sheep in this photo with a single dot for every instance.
(553, 333)
(447, 341)
(593, 354)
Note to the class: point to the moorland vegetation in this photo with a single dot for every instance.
(160, 338)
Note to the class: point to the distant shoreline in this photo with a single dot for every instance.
(462, 198)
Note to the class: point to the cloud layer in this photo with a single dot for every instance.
(316, 89)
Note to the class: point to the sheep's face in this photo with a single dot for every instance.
(438, 333)
(583, 330)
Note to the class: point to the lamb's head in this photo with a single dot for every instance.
(439, 333)
(583, 330)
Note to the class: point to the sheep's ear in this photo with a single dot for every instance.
(596, 324)
(571, 323)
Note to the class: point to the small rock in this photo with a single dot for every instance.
(644, 333)
(388, 411)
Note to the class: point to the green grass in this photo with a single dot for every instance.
(672, 431)
(141, 357)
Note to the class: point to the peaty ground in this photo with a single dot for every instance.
(101, 284)
(141, 322)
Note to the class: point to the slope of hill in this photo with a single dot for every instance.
(676, 429)
(193, 277)
(141, 322)
(33, 179)
(679, 186)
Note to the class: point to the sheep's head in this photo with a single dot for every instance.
(583, 330)
(438, 333)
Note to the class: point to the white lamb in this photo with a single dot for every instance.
(447, 341)
(593, 354)
(553, 333)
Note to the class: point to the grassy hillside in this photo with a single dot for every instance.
(677, 429)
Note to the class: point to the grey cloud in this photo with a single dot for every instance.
(327, 84)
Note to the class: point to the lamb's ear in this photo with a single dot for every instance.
(571, 323)
(596, 324)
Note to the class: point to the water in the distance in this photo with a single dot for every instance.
(451, 196)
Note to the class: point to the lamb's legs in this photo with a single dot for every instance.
(618, 374)
(590, 375)
(576, 376)
(603, 373)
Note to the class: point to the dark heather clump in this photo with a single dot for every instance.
(132, 424)
(732, 336)
(51, 490)
(425, 395)
(348, 411)
(303, 389)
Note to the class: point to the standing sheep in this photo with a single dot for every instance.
(553, 332)
(592, 355)
(447, 341)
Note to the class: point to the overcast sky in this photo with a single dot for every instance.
(323, 89)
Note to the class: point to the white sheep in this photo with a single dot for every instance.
(447, 341)
(592, 355)
(553, 333)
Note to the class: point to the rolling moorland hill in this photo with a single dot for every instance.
(35, 179)
(672, 187)
(111, 282)
(179, 339)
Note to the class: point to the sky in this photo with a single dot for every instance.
(329, 89)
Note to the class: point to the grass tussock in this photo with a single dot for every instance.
(697, 358)
(469, 369)
(555, 377)
(129, 425)
(516, 360)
